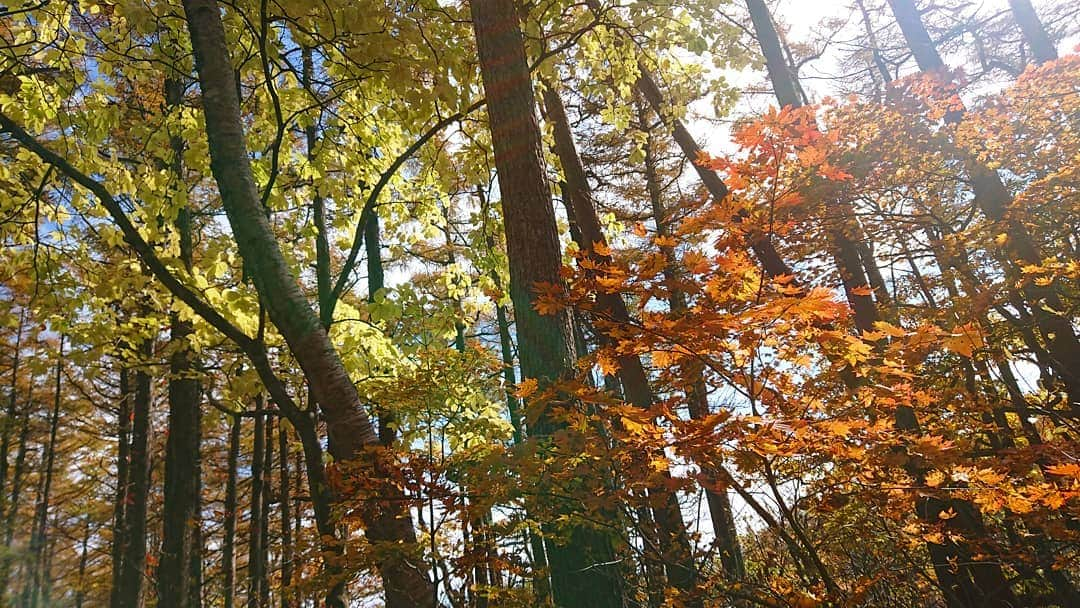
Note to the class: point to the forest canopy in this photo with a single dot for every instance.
(497, 303)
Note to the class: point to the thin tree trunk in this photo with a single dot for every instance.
(228, 543)
(84, 553)
(10, 414)
(264, 529)
(387, 520)
(39, 540)
(1042, 47)
(255, 519)
(723, 520)
(875, 49)
(581, 564)
(541, 583)
(123, 481)
(17, 479)
(5, 447)
(284, 504)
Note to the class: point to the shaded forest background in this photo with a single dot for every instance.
(359, 303)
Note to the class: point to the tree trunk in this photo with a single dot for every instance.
(284, 506)
(264, 529)
(1035, 35)
(723, 521)
(676, 551)
(541, 583)
(177, 579)
(784, 81)
(850, 265)
(582, 574)
(119, 541)
(84, 553)
(39, 539)
(255, 519)
(387, 521)
(1020, 248)
(9, 419)
(134, 559)
(228, 543)
(17, 479)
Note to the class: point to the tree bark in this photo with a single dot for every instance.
(784, 81)
(177, 577)
(10, 415)
(134, 560)
(1020, 248)
(284, 505)
(581, 567)
(17, 479)
(255, 517)
(228, 543)
(38, 578)
(676, 551)
(387, 520)
(1035, 35)
(726, 536)
(123, 480)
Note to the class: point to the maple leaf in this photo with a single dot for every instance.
(526, 388)
(1069, 469)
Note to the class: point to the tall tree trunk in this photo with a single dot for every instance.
(1035, 35)
(875, 49)
(264, 530)
(387, 520)
(134, 559)
(39, 540)
(581, 565)
(541, 583)
(723, 521)
(123, 488)
(676, 550)
(177, 578)
(994, 200)
(228, 543)
(84, 554)
(17, 479)
(256, 519)
(8, 425)
(784, 82)
(10, 419)
(284, 505)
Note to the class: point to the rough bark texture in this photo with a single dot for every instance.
(387, 520)
(581, 570)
